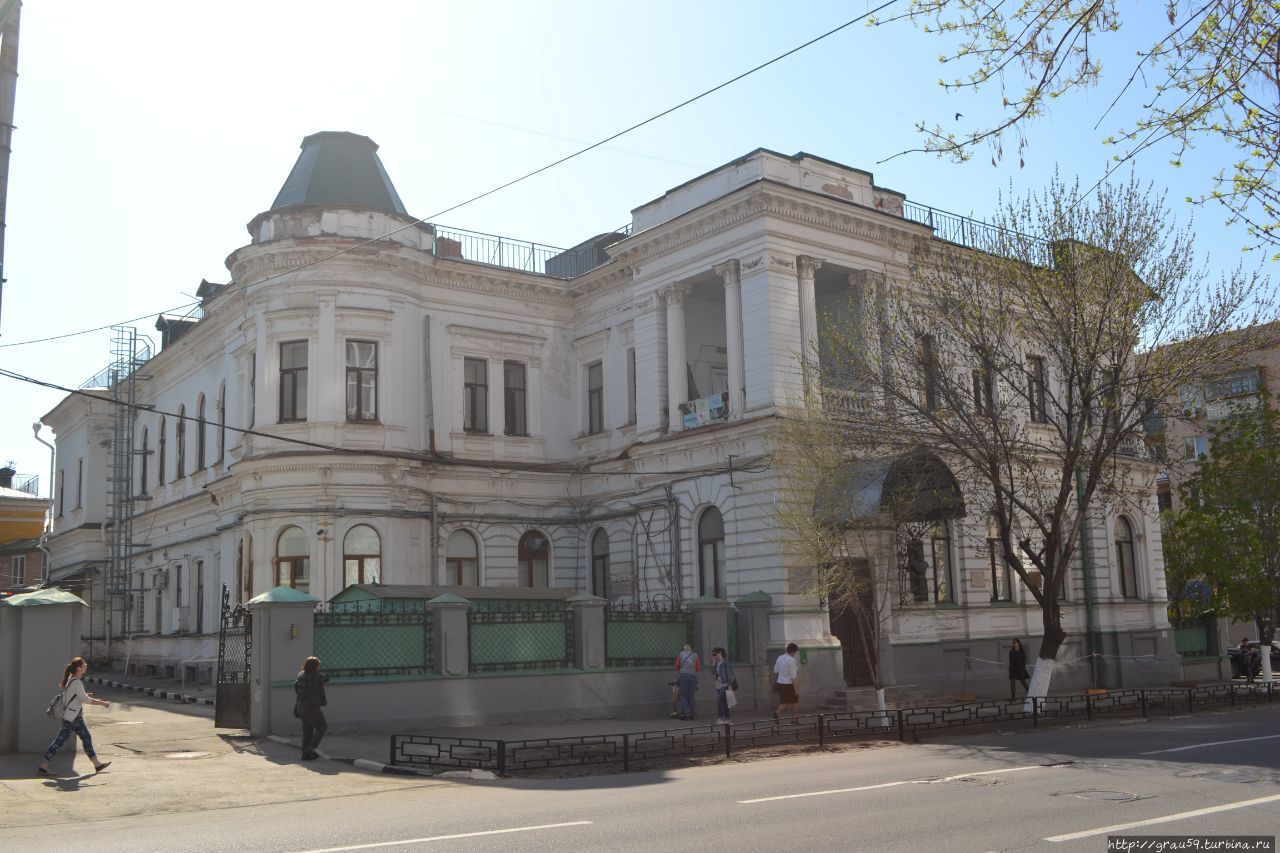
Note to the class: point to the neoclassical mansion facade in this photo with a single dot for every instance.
(373, 399)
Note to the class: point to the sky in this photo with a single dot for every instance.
(150, 133)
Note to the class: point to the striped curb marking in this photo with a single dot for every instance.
(362, 763)
(150, 691)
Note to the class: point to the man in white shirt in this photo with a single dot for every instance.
(787, 673)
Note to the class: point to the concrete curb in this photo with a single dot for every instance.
(150, 691)
(362, 763)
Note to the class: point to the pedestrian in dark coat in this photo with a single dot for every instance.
(309, 687)
(1017, 669)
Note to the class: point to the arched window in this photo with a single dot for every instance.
(1124, 558)
(144, 459)
(531, 556)
(293, 561)
(160, 460)
(361, 556)
(462, 560)
(222, 421)
(927, 563)
(180, 438)
(199, 466)
(711, 553)
(600, 564)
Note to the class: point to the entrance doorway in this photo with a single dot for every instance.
(853, 623)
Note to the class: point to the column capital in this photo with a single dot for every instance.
(730, 271)
(675, 294)
(807, 265)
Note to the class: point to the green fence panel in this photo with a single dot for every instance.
(520, 638)
(369, 644)
(1192, 641)
(640, 637)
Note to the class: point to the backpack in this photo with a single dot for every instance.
(57, 705)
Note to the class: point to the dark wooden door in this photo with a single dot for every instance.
(845, 626)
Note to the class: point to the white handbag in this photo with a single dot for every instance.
(730, 698)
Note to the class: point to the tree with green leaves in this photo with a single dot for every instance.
(1211, 70)
(1229, 529)
(1019, 376)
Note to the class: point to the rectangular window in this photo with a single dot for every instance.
(595, 397)
(199, 596)
(362, 381)
(62, 481)
(1036, 389)
(79, 483)
(1195, 446)
(253, 388)
(514, 402)
(293, 381)
(929, 360)
(18, 568)
(631, 385)
(475, 394)
(983, 392)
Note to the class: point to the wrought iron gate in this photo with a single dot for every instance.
(231, 702)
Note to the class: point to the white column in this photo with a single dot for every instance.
(806, 268)
(730, 271)
(677, 357)
(651, 367)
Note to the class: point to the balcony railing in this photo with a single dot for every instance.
(982, 236)
(481, 248)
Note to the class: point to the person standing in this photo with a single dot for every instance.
(688, 666)
(1017, 669)
(309, 687)
(1246, 659)
(786, 670)
(75, 698)
(724, 683)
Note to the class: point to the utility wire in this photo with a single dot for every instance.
(417, 222)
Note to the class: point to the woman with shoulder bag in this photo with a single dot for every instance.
(74, 698)
(309, 687)
(726, 684)
(1017, 669)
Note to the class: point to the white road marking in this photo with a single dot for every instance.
(450, 837)
(1211, 743)
(896, 784)
(1120, 827)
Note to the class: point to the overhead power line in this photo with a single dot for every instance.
(565, 159)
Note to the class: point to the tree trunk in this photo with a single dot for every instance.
(1045, 661)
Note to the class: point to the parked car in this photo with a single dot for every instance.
(1255, 659)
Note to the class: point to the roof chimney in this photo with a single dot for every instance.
(6, 477)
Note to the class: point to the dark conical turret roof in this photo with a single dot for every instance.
(340, 169)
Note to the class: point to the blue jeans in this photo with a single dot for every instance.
(68, 726)
(688, 692)
(722, 703)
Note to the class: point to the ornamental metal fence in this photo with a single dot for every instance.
(646, 634)
(631, 749)
(520, 637)
(360, 645)
(732, 641)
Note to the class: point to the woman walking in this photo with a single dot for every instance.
(309, 687)
(74, 699)
(1017, 669)
(688, 666)
(724, 683)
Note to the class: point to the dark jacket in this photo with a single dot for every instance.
(1017, 664)
(310, 688)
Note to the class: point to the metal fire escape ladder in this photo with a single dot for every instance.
(128, 352)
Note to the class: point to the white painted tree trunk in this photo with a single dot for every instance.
(1040, 677)
(883, 719)
(1264, 655)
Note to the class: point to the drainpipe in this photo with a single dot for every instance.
(1087, 564)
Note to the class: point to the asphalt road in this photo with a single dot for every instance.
(1059, 789)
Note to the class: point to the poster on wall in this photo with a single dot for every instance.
(706, 410)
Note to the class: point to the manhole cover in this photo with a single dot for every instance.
(187, 755)
(1108, 796)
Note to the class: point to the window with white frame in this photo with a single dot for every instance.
(631, 385)
(293, 381)
(362, 381)
(1125, 558)
(293, 559)
(1195, 447)
(595, 397)
(361, 556)
(515, 408)
(600, 564)
(533, 560)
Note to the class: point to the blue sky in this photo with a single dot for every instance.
(149, 134)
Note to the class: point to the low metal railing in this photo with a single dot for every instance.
(984, 237)
(644, 748)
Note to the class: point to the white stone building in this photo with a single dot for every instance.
(375, 399)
